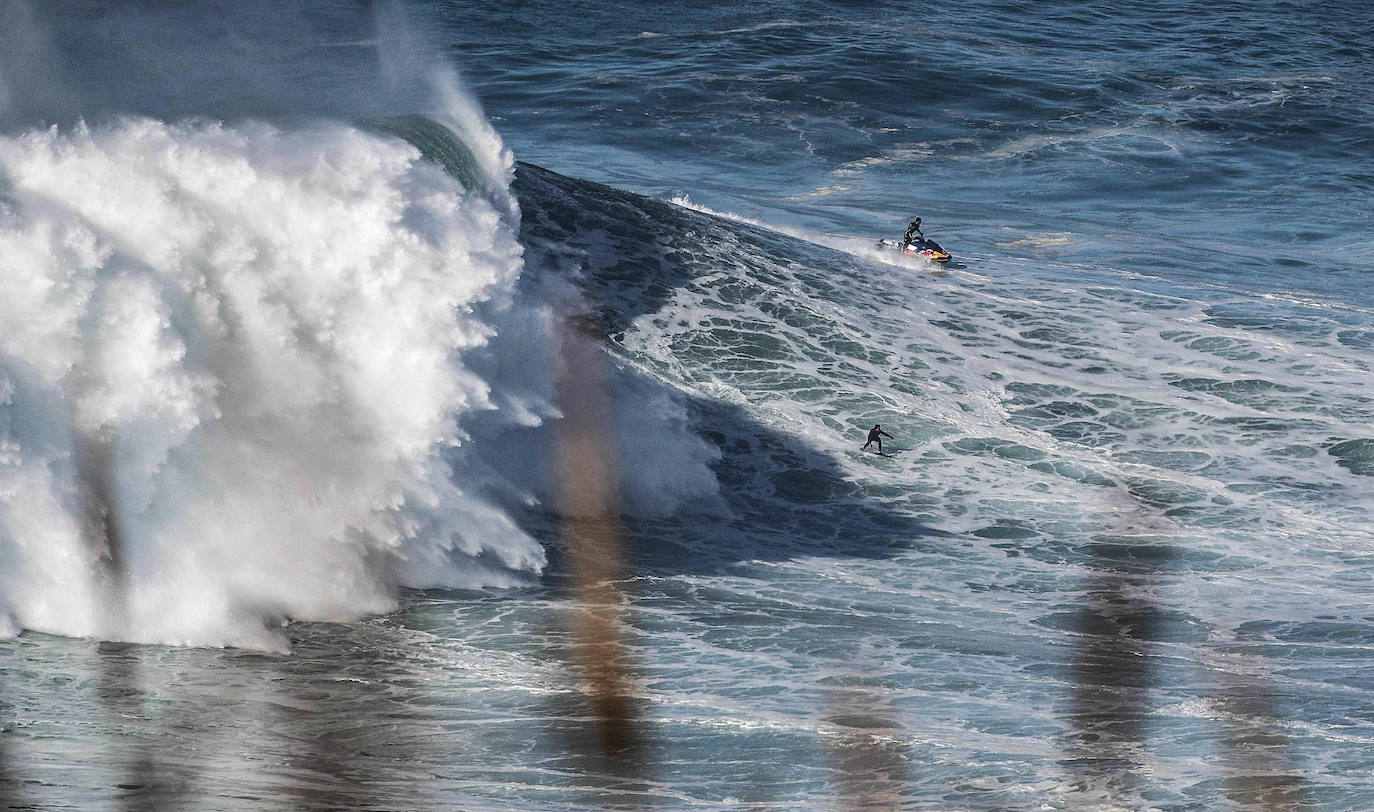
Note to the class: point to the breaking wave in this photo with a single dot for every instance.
(255, 371)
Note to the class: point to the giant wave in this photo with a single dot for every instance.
(258, 371)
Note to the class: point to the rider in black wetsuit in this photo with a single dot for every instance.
(914, 229)
(876, 435)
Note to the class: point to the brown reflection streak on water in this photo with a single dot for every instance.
(93, 452)
(1111, 681)
(1112, 665)
(1115, 671)
(1256, 757)
(592, 535)
(381, 749)
(869, 759)
(11, 796)
(145, 784)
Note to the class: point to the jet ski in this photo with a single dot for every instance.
(925, 249)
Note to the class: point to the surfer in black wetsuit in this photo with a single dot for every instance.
(876, 435)
(911, 232)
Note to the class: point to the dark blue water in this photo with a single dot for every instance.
(1225, 142)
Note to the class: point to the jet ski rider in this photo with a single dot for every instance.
(913, 229)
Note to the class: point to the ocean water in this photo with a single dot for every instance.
(333, 336)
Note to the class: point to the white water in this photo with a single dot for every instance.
(308, 350)
(277, 331)
(264, 323)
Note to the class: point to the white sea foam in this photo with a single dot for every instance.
(865, 247)
(262, 323)
(306, 350)
(1057, 401)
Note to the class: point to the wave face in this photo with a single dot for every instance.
(1119, 511)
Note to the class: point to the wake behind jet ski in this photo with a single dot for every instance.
(914, 243)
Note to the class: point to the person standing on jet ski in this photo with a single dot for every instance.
(911, 232)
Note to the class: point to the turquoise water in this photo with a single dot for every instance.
(1118, 558)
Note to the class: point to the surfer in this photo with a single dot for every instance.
(912, 231)
(876, 435)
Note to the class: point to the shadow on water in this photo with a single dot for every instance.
(784, 500)
(338, 740)
(608, 779)
(147, 783)
(151, 777)
(593, 540)
(628, 254)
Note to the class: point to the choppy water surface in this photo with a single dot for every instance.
(1118, 557)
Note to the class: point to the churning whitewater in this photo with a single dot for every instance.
(270, 329)
(262, 323)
